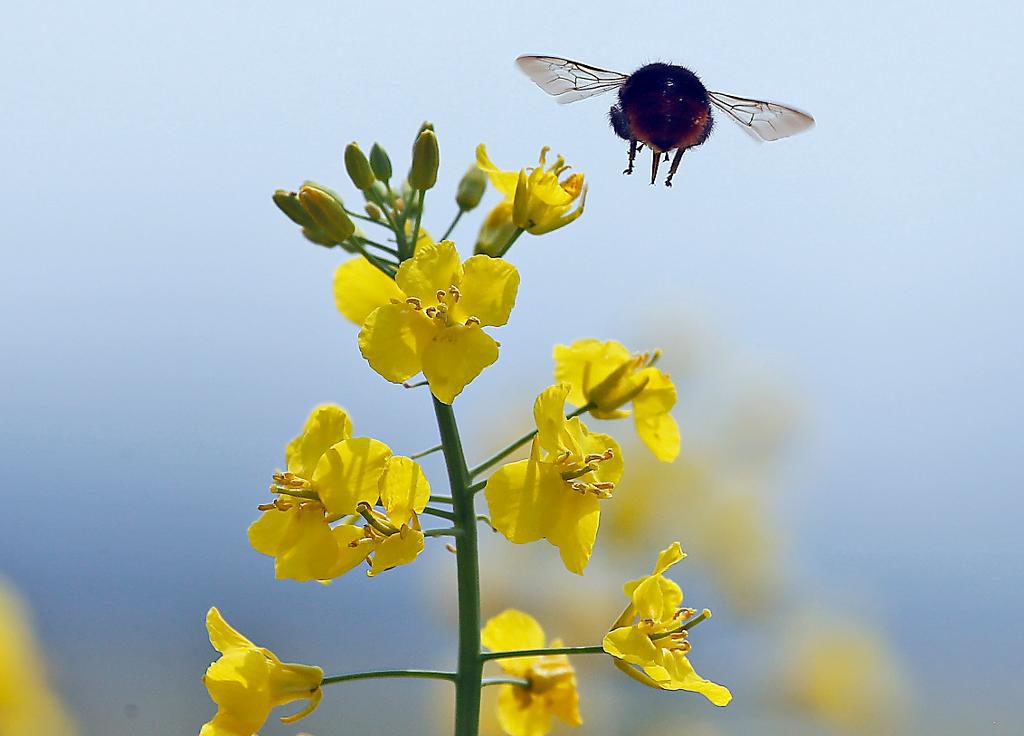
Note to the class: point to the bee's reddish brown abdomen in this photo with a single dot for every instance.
(666, 107)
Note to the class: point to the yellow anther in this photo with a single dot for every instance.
(454, 291)
(414, 302)
(440, 294)
(580, 488)
(472, 322)
(266, 506)
(430, 312)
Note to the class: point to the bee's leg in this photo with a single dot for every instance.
(655, 160)
(632, 156)
(675, 165)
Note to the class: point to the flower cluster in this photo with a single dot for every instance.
(344, 500)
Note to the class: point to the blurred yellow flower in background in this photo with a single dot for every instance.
(430, 318)
(27, 704)
(528, 711)
(607, 376)
(540, 201)
(843, 675)
(656, 640)
(556, 497)
(248, 681)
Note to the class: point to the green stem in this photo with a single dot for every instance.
(458, 216)
(378, 674)
(441, 499)
(440, 513)
(505, 681)
(379, 246)
(419, 218)
(502, 454)
(428, 451)
(448, 532)
(511, 241)
(598, 649)
(470, 669)
(403, 251)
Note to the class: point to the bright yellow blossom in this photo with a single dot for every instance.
(330, 476)
(430, 318)
(527, 711)
(608, 376)
(556, 497)
(27, 704)
(541, 203)
(248, 681)
(656, 640)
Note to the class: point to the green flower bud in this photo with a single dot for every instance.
(327, 212)
(288, 203)
(373, 211)
(426, 125)
(426, 158)
(471, 189)
(316, 235)
(358, 167)
(380, 163)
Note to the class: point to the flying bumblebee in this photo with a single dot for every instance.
(662, 106)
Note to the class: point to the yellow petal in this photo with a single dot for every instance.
(514, 498)
(403, 489)
(668, 557)
(658, 396)
(312, 553)
(510, 630)
(353, 548)
(391, 341)
(454, 356)
(632, 645)
(586, 363)
(521, 714)
(684, 677)
(398, 549)
(572, 520)
(549, 415)
(503, 181)
(273, 530)
(489, 287)
(433, 268)
(657, 598)
(237, 683)
(349, 472)
(610, 470)
(222, 636)
(360, 287)
(661, 435)
(327, 424)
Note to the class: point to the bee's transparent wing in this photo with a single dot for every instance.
(568, 81)
(763, 121)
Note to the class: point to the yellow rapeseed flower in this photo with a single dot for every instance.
(248, 681)
(527, 711)
(541, 202)
(430, 318)
(556, 497)
(652, 633)
(27, 704)
(608, 376)
(330, 476)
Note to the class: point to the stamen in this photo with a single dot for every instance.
(414, 302)
(454, 291)
(472, 321)
(440, 294)
(580, 488)
(430, 312)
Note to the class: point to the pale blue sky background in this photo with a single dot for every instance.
(165, 330)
